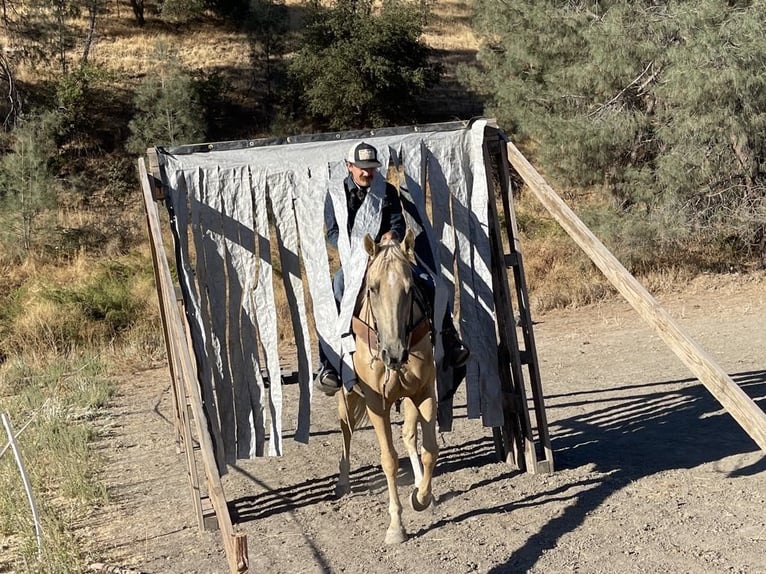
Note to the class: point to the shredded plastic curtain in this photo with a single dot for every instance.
(231, 210)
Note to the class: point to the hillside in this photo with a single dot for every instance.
(211, 46)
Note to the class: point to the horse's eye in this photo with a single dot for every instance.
(374, 288)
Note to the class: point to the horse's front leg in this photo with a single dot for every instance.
(422, 497)
(410, 438)
(347, 414)
(380, 417)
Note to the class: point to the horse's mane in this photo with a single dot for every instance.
(389, 251)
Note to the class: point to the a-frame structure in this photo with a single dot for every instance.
(521, 439)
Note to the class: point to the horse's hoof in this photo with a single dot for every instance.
(415, 504)
(394, 536)
(342, 490)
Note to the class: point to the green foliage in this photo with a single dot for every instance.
(119, 175)
(168, 109)
(661, 105)
(358, 67)
(27, 188)
(42, 316)
(106, 298)
(77, 95)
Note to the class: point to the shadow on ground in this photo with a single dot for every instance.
(630, 433)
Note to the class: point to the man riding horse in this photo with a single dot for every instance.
(362, 164)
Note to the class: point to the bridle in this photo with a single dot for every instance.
(367, 328)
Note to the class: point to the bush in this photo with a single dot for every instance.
(47, 315)
(168, 109)
(361, 68)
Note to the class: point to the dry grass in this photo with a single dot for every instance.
(209, 47)
(449, 27)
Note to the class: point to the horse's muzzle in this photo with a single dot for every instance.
(392, 361)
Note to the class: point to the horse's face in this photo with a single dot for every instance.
(389, 287)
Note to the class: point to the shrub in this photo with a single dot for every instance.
(358, 67)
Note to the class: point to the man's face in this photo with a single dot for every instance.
(362, 175)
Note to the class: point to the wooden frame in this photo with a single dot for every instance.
(520, 441)
(736, 402)
(186, 389)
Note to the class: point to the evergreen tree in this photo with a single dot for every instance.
(267, 25)
(27, 187)
(660, 104)
(168, 109)
(712, 122)
(358, 67)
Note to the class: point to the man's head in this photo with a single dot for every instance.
(362, 161)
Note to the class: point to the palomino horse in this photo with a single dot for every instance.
(393, 360)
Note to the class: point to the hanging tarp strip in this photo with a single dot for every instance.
(242, 204)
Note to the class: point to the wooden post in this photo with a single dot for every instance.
(749, 416)
(233, 542)
(153, 173)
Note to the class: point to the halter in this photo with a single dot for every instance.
(368, 330)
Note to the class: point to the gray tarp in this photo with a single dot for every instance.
(233, 208)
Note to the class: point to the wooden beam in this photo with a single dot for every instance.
(749, 416)
(234, 542)
(155, 179)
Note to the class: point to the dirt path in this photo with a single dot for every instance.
(652, 475)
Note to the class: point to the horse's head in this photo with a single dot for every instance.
(388, 292)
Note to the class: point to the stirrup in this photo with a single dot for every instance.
(327, 381)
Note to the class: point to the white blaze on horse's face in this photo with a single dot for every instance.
(390, 298)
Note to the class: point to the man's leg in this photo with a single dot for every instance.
(455, 351)
(327, 379)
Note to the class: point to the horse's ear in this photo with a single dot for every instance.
(369, 245)
(409, 240)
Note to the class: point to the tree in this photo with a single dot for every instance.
(659, 104)
(267, 24)
(27, 188)
(362, 67)
(168, 109)
(138, 12)
(712, 122)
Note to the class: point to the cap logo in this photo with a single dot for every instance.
(366, 154)
(363, 155)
